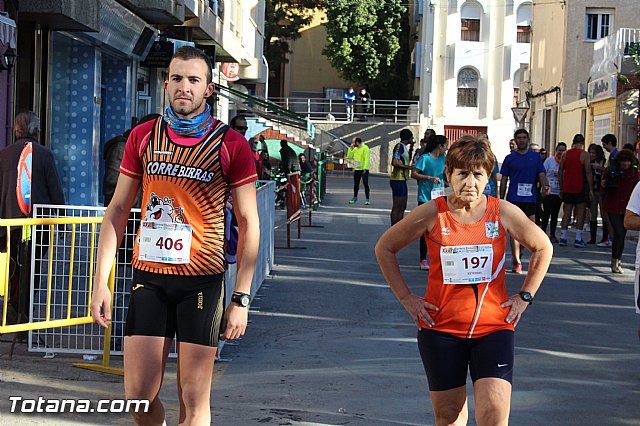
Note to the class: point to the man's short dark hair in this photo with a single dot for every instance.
(609, 139)
(405, 134)
(186, 53)
(520, 131)
(235, 119)
(578, 139)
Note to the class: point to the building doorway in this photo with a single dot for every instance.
(453, 133)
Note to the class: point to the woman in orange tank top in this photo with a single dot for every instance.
(466, 319)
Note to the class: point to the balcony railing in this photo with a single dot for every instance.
(610, 52)
(377, 110)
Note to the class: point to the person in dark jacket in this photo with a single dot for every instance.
(305, 166)
(288, 160)
(44, 187)
(364, 104)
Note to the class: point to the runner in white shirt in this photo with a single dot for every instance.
(632, 222)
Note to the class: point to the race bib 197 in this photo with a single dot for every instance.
(466, 264)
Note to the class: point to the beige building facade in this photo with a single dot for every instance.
(309, 73)
(560, 78)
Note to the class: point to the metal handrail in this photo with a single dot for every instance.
(331, 109)
(262, 108)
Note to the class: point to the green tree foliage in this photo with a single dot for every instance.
(282, 23)
(363, 37)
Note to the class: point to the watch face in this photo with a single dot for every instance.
(244, 300)
(526, 296)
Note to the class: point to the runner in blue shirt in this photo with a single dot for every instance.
(522, 168)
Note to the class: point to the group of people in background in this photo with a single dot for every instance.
(584, 183)
(289, 161)
(588, 186)
(357, 104)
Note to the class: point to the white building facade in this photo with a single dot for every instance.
(469, 60)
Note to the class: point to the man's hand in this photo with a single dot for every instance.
(234, 322)
(101, 306)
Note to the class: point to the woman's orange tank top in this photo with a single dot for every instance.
(467, 310)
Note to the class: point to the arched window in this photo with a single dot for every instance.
(523, 21)
(470, 22)
(468, 88)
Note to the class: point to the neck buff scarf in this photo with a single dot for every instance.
(195, 127)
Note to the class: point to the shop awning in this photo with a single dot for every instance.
(8, 32)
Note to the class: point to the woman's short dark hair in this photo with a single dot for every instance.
(470, 152)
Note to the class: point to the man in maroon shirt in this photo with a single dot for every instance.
(576, 188)
(187, 162)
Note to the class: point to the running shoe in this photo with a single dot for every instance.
(367, 202)
(553, 239)
(563, 242)
(579, 243)
(424, 266)
(353, 200)
(517, 268)
(606, 243)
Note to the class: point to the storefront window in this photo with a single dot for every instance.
(115, 106)
(72, 117)
(90, 104)
(601, 126)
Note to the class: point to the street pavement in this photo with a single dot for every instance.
(328, 343)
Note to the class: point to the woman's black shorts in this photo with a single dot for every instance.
(446, 358)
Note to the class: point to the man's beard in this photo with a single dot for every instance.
(185, 111)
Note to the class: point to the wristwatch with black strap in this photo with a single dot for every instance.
(242, 299)
(526, 296)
